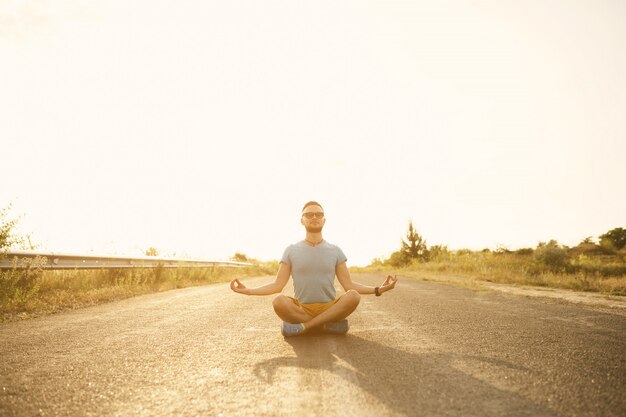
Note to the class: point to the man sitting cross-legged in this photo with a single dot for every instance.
(313, 264)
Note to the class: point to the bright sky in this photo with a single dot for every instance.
(202, 127)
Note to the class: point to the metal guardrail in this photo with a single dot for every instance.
(55, 260)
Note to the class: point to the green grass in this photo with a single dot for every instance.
(35, 292)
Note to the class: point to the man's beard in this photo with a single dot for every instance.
(311, 229)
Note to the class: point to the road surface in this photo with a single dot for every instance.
(423, 349)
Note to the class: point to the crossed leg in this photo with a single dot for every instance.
(291, 313)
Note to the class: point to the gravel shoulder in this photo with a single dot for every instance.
(615, 303)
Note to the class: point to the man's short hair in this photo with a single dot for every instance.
(312, 203)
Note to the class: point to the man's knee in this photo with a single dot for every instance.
(353, 297)
(281, 303)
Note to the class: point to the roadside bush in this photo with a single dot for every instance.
(17, 285)
(502, 250)
(586, 267)
(398, 259)
(8, 238)
(239, 257)
(439, 253)
(524, 251)
(552, 255)
(20, 285)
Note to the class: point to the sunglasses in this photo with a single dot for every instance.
(318, 215)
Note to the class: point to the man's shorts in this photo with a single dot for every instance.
(314, 309)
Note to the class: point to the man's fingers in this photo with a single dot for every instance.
(235, 285)
(390, 282)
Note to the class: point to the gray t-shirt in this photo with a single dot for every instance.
(313, 270)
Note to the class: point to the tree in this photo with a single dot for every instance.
(240, 257)
(414, 247)
(152, 251)
(586, 241)
(6, 229)
(8, 239)
(615, 238)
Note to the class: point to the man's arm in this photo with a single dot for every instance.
(343, 275)
(284, 272)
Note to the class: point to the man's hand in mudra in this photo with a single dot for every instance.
(237, 286)
(388, 284)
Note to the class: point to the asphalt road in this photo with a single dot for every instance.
(423, 349)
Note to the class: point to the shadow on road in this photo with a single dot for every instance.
(405, 382)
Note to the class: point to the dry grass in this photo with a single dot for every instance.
(31, 293)
(602, 276)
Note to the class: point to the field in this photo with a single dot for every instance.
(33, 292)
(553, 267)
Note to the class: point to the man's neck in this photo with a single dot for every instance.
(313, 239)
